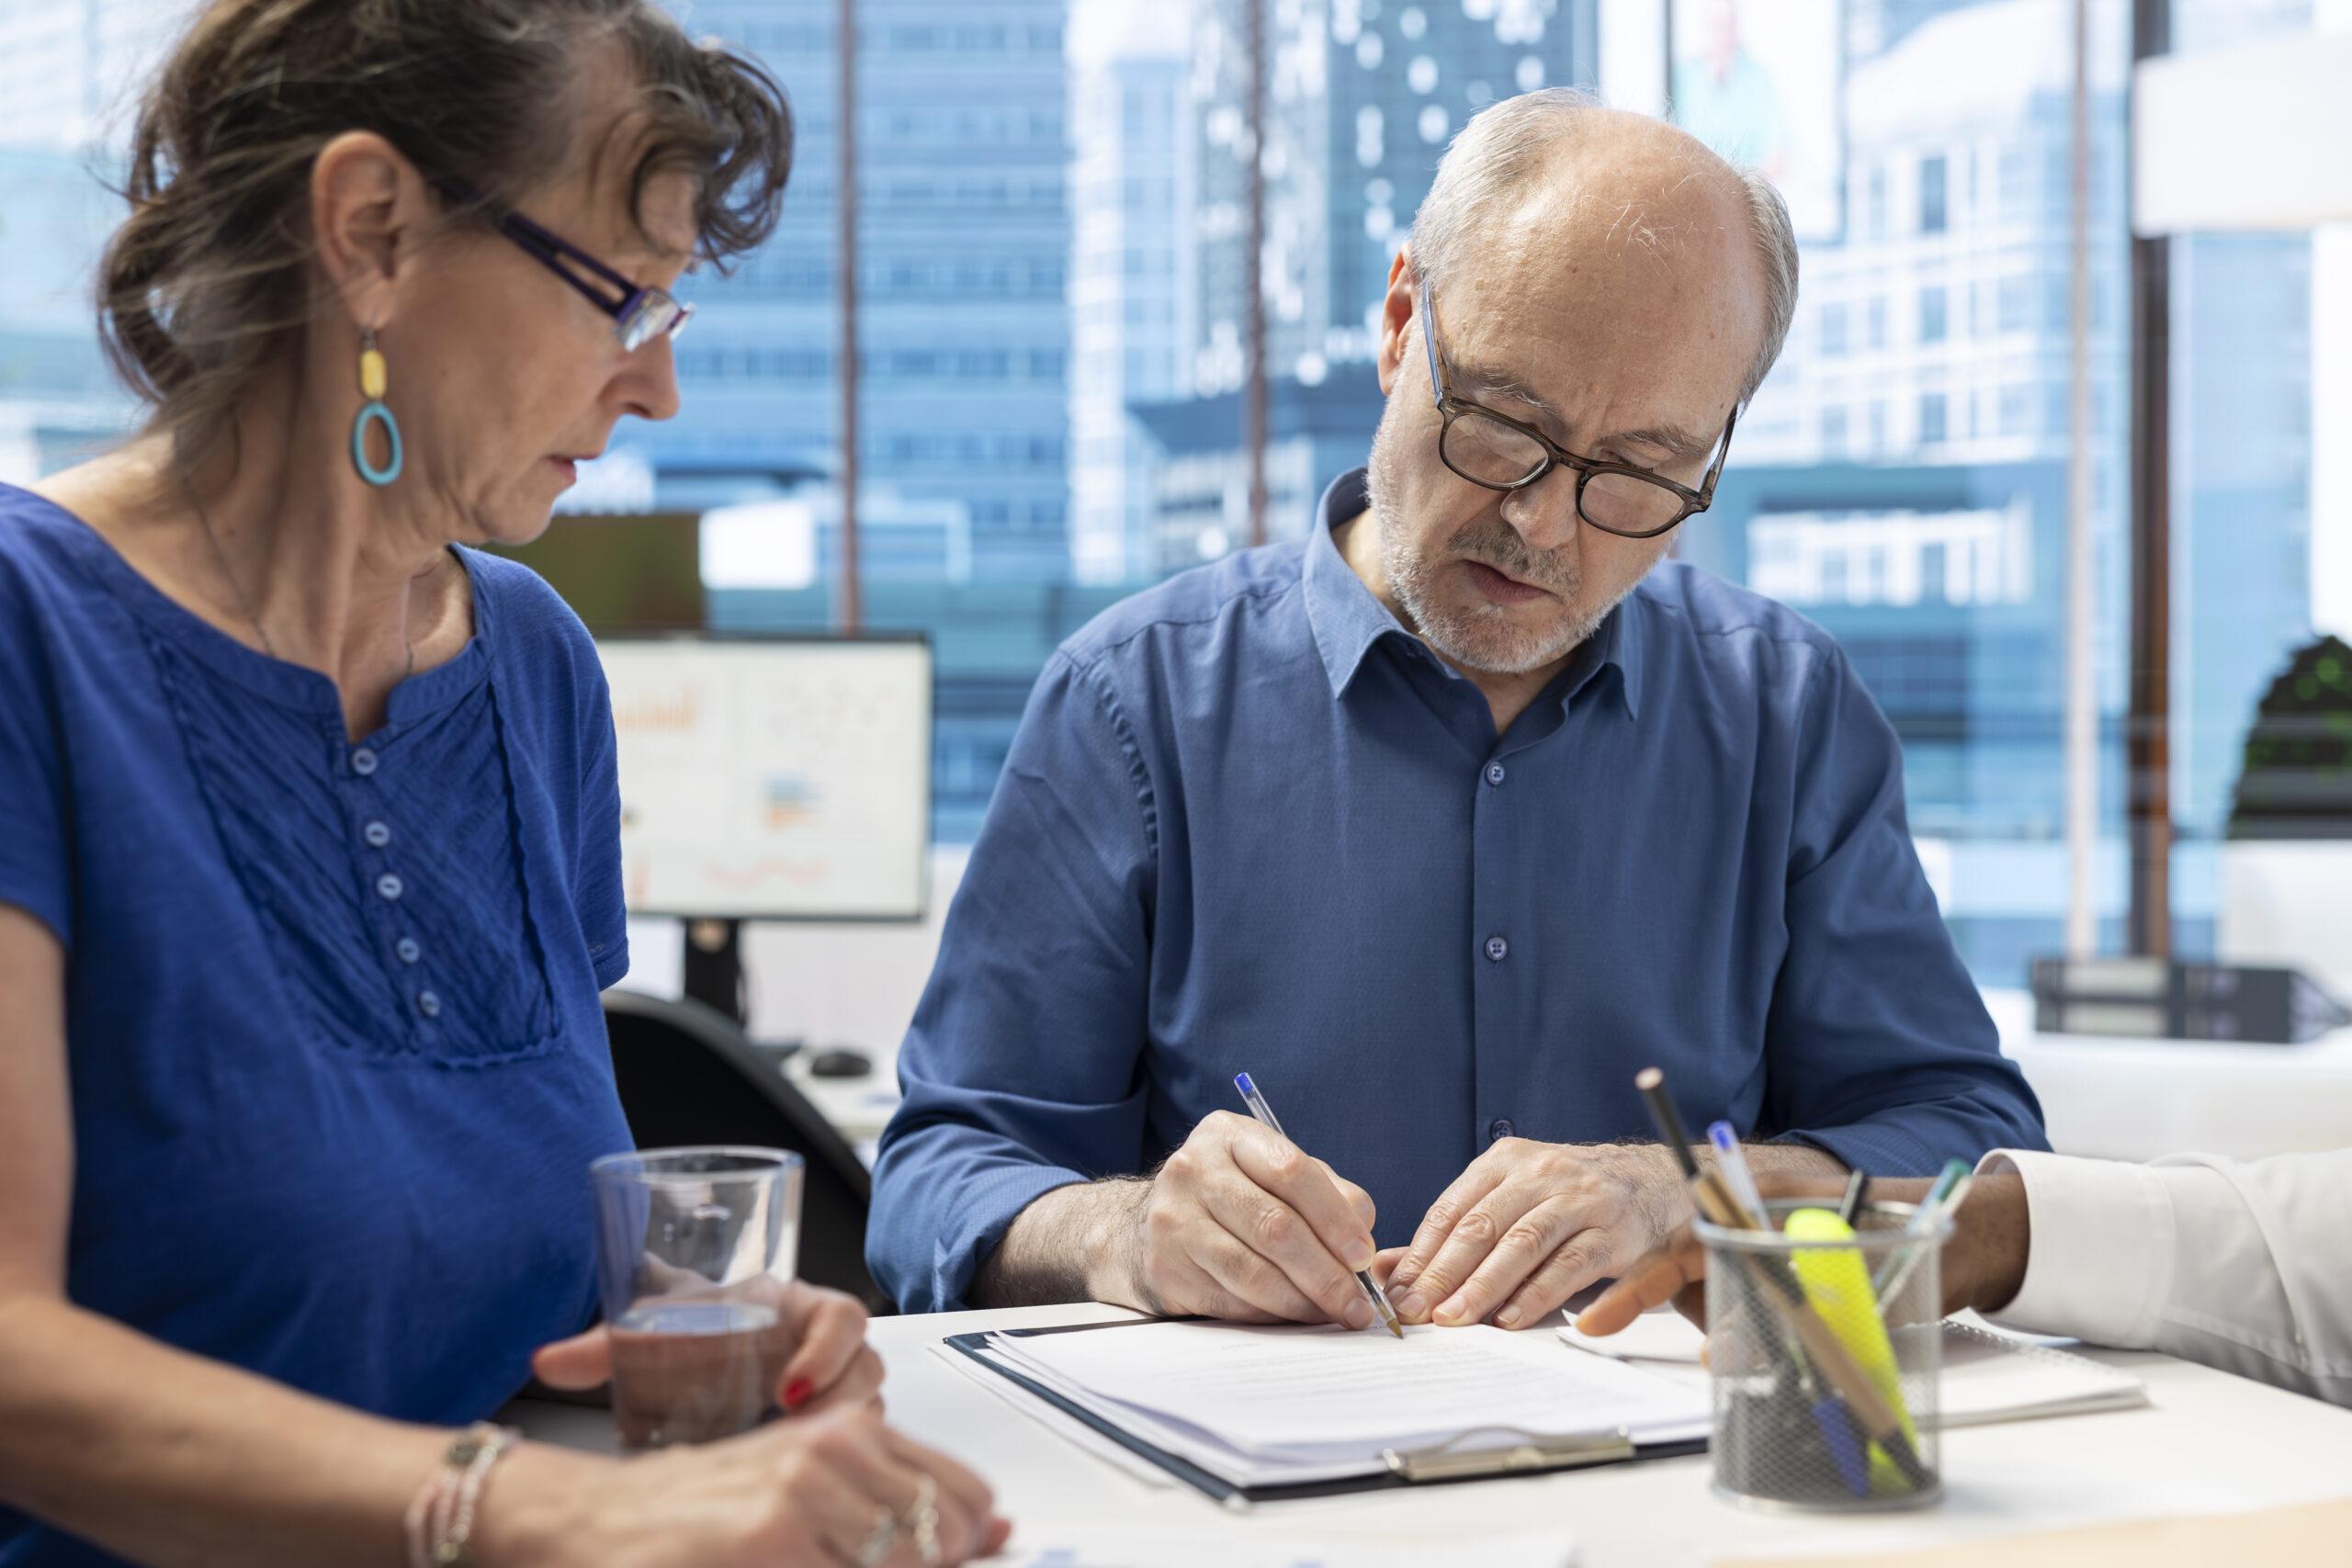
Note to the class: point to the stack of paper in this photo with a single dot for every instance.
(1987, 1376)
(1281, 1406)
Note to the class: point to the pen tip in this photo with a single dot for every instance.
(1393, 1328)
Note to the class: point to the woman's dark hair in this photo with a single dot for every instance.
(205, 283)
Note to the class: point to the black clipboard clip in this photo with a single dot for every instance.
(1447, 1461)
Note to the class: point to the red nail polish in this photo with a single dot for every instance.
(797, 1393)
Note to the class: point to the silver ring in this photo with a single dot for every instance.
(923, 1518)
(878, 1540)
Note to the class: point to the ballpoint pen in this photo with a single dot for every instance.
(1734, 1164)
(1266, 1118)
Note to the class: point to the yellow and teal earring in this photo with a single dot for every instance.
(371, 387)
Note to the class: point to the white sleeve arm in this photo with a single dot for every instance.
(2243, 1265)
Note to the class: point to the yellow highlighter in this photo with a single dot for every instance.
(1837, 1285)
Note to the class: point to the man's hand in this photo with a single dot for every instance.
(1529, 1225)
(1241, 1223)
(1984, 1263)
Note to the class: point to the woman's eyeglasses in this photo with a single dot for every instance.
(640, 315)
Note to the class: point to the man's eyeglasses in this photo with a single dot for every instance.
(640, 315)
(1502, 454)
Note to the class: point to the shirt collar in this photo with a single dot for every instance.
(1348, 621)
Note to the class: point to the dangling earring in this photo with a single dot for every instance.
(371, 387)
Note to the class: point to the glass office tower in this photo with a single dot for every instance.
(965, 248)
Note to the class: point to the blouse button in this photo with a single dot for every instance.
(388, 887)
(376, 834)
(408, 950)
(363, 761)
(428, 1004)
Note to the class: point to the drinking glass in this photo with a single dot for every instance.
(696, 1249)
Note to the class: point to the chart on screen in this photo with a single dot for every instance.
(779, 778)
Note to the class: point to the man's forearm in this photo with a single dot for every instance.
(1790, 1160)
(1075, 1244)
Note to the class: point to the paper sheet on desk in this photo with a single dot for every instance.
(1987, 1375)
(1250, 1546)
(1264, 1404)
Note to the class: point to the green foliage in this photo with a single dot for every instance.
(2297, 778)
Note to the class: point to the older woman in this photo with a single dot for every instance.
(309, 859)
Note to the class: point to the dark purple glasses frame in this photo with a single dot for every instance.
(641, 314)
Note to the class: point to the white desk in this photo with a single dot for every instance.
(2211, 1443)
(2135, 1099)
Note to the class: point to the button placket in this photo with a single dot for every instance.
(390, 887)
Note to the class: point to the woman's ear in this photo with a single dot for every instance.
(368, 210)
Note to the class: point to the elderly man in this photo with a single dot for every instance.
(1443, 822)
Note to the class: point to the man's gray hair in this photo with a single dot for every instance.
(1503, 147)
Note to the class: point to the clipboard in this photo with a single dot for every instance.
(1435, 1466)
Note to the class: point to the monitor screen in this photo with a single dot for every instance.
(785, 778)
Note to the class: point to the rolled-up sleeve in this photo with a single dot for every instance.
(36, 874)
(1023, 1069)
(1880, 1049)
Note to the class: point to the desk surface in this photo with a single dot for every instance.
(2209, 1443)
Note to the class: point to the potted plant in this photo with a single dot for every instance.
(2287, 866)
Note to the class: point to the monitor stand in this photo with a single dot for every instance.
(714, 971)
(714, 977)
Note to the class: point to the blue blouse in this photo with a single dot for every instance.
(337, 1060)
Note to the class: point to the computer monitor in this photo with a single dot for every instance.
(774, 778)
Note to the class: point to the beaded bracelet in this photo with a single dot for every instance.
(440, 1518)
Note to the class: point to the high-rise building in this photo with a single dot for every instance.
(1901, 477)
(68, 71)
(69, 68)
(1131, 295)
(1361, 98)
(964, 240)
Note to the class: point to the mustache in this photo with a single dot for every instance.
(1491, 542)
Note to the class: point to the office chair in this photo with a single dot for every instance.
(688, 1075)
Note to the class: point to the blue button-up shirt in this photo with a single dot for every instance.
(1251, 823)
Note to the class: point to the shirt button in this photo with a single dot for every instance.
(428, 1004)
(1497, 948)
(1500, 1128)
(1494, 772)
(408, 950)
(363, 761)
(376, 834)
(388, 887)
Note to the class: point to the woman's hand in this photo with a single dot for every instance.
(818, 1346)
(820, 1492)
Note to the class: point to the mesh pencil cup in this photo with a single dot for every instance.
(1837, 1413)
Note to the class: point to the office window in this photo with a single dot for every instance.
(1931, 418)
(1933, 172)
(1932, 304)
(1874, 316)
(1832, 317)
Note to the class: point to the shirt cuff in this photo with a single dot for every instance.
(992, 1199)
(2099, 1261)
(1869, 1145)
